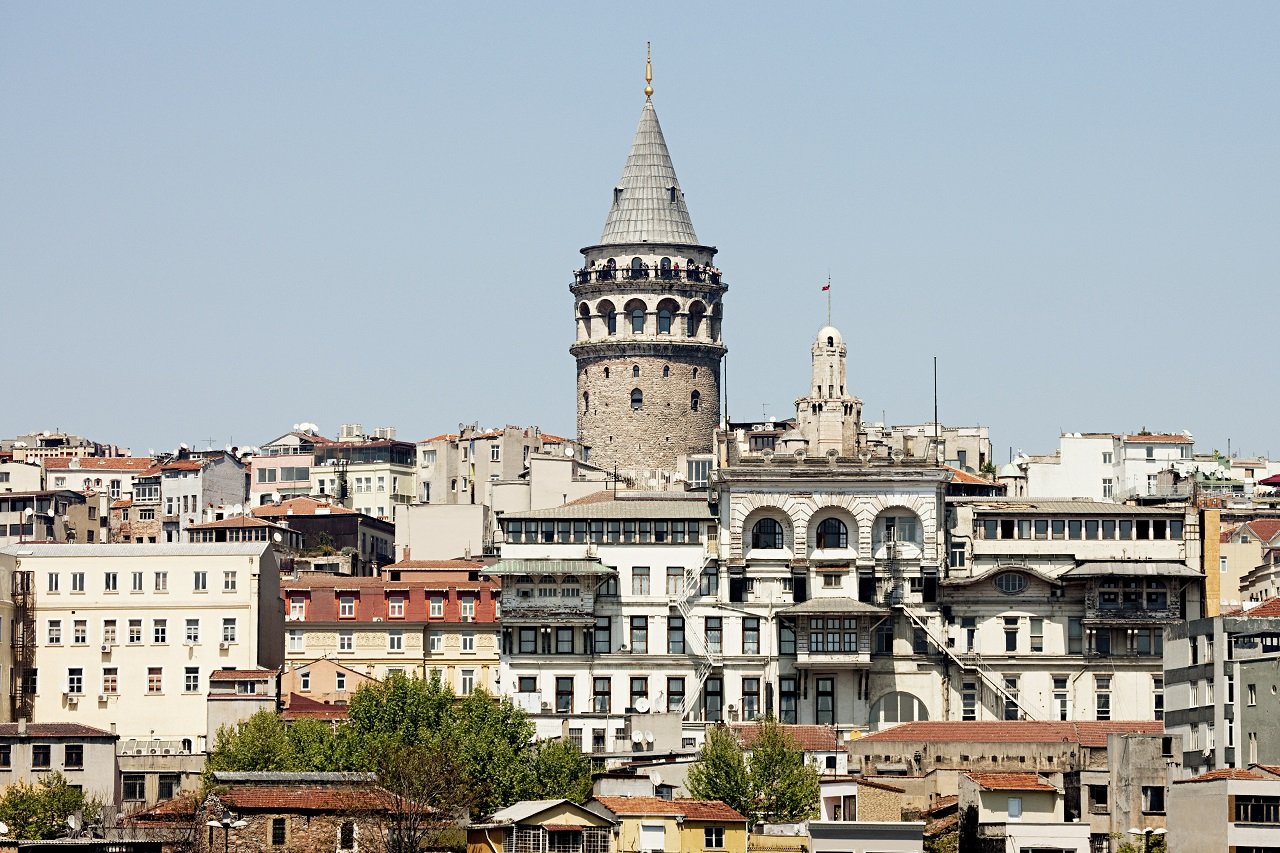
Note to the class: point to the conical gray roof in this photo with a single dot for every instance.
(643, 210)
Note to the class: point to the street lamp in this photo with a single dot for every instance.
(226, 825)
(1146, 836)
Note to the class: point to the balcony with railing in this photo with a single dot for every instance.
(1131, 601)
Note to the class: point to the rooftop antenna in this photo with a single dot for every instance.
(935, 404)
(648, 70)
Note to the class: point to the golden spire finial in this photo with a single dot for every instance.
(648, 71)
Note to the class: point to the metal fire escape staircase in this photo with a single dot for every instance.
(970, 662)
(694, 638)
(24, 644)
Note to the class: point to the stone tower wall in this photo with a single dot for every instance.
(666, 427)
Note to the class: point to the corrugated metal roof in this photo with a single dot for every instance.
(645, 210)
(549, 567)
(1152, 568)
(1063, 506)
(831, 605)
(669, 508)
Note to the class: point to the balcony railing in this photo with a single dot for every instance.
(549, 608)
(696, 275)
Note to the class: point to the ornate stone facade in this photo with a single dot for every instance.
(648, 308)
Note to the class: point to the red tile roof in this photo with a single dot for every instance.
(1268, 608)
(1224, 773)
(689, 809)
(299, 506)
(872, 783)
(1154, 438)
(121, 504)
(303, 707)
(1264, 528)
(184, 465)
(471, 565)
(1011, 782)
(99, 463)
(308, 798)
(242, 674)
(807, 737)
(327, 580)
(1086, 733)
(964, 477)
(54, 730)
(548, 438)
(448, 436)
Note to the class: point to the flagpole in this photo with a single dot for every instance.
(828, 297)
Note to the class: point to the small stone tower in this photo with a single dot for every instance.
(648, 307)
(829, 417)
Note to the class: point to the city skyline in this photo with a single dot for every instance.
(227, 222)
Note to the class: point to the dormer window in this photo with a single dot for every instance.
(617, 195)
(672, 190)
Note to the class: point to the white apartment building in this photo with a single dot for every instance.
(109, 475)
(281, 468)
(126, 636)
(370, 476)
(460, 468)
(198, 487)
(1058, 610)
(1107, 466)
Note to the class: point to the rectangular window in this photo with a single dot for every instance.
(468, 642)
(395, 641)
(600, 694)
(295, 640)
(467, 605)
(191, 679)
(788, 699)
(1061, 697)
(467, 682)
(346, 641)
(713, 837)
(826, 701)
(675, 580)
(435, 641)
(564, 641)
(75, 681)
(162, 581)
(228, 581)
(201, 582)
(1108, 487)
(277, 831)
(969, 701)
(77, 581)
(135, 631)
(1015, 808)
(751, 636)
(395, 607)
(528, 641)
(41, 755)
(55, 632)
(109, 632)
(1257, 809)
(73, 756)
(639, 635)
(160, 631)
(1011, 697)
(564, 694)
(639, 689)
(1153, 799)
(715, 634)
(675, 694)
(53, 582)
(713, 700)
(602, 636)
(155, 679)
(229, 629)
(437, 607)
(347, 607)
(110, 581)
(675, 635)
(640, 580)
(750, 698)
(1037, 635)
(1075, 636)
(1102, 696)
(80, 632)
(1011, 633)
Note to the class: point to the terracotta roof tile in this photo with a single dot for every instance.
(54, 730)
(1224, 773)
(1086, 733)
(807, 737)
(1011, 782)
(299, 506)
(1264, 528)
(942, 825)
(472, 565)
(1155, 438)
(965, 478)
(690, 809)
(121, 504)
(448, 436)
(1268, 608)
(304, 707)
(548, 438)
(184, 465)
(98, 463)
(242, 674)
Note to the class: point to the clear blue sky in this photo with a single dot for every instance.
(217, 220)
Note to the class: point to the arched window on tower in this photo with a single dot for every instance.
(612, 318)
(664, 321)
(666, 371)
(664, 268)
(695, 373)
(586, 402)
(831, 342)
(637, 399)
(695, 401)
(832, 534)
(635, 371)
(637, 266)
(606, 373)
(637, 321)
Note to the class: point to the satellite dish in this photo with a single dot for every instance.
(568, 451)
(637, 737)
(73, 822)
(655, 777)
(277, 537)
(642, 705)
(648, 736)
(4, 828)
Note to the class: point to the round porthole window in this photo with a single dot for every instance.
(1011, 583)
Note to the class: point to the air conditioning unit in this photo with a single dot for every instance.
(166, 751)
(102, 697)
(377, 619)
(224, 646)
(72, 701)
(105, 648)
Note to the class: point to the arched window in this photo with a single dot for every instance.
(664, 321)
(606, 373)
(664, 268)
(635, 370)
(831, 341)
(586, 402)
(832, 534)
(637, 399)
(767, 533)
(695, 373)
(695, 401)
(666, 371)
(637, 321)
(636, 267)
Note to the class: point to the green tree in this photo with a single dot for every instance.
(265, 742)
(560, 770)
(784, 789)
(408, 711)
(721, 771)
(493, 741)
(40, 811)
